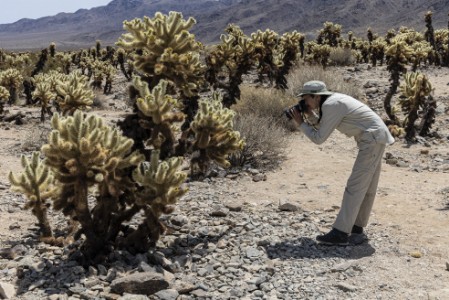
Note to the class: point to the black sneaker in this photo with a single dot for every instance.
(333, 237)
(357, 230)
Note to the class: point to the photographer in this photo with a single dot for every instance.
(354, 119)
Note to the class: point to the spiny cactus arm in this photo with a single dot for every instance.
(157, 104)
(4, 93)
(37, 183)
(214, 134)
(161, 181)
(75, 93)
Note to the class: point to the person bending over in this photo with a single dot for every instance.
(354, 119)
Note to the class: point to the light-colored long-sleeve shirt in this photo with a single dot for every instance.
(351, 117)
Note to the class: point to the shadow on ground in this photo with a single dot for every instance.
(305, 247)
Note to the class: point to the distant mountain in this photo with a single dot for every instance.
(83, 27)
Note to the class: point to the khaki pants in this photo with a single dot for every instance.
(361, 188)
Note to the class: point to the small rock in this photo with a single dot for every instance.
(219, 212)
(259, 177)
(287, 206)
(234, 206)
(168, 294)
(346, 287)
(7, 291)
(416, 254)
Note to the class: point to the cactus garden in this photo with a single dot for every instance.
(163, 168)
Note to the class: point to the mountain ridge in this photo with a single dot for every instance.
(105, 23)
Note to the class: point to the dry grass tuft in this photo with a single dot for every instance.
(341, 57)
(333, 79)
(265, 142)
(36, 137)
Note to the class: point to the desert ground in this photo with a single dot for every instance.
(270, 252)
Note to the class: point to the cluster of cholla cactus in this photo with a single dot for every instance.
(164, 49)
(238, 54)
(66, 93)
(230, 60)
(215, 137)
(102, 71)
(86, 158)
(417, 103)
(276, 55)
(12, 80)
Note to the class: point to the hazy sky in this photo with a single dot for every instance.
(13, 10)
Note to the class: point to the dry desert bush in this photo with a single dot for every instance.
(265, 141)
(341, 57)
(334, 80)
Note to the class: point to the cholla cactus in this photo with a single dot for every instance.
(83, 152)
(74, 93)
(442, 46)
(44, 94)
(329, 35)
(121, 59)
(288, 49)
(12, 80)
(429, 34)
(161, 187)
(377, 52)
(38, 185)
(168, 50)
(265, 43)
(417, 92)
(161, 108)
(399, 53)
(234, 57)
(318, 54)
(4, 96)
(215, 138)
(109, 74)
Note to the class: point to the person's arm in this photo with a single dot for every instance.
(333, 113)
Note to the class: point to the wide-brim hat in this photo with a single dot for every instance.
(314, 87)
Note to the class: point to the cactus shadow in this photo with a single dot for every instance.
(305, 247)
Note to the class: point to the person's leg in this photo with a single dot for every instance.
(365, 167)
(368, 201)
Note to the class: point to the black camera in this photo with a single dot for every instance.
(301, 107)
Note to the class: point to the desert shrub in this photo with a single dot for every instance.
(334, 81)
(265, 103)
(341, 57)
(36, 137)
(265, 141)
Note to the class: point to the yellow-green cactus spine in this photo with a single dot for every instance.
(215, 138)
(163, 111)
(37, 184)
(74, 94)
(161, 187)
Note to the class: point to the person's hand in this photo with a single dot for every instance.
(296, 116)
